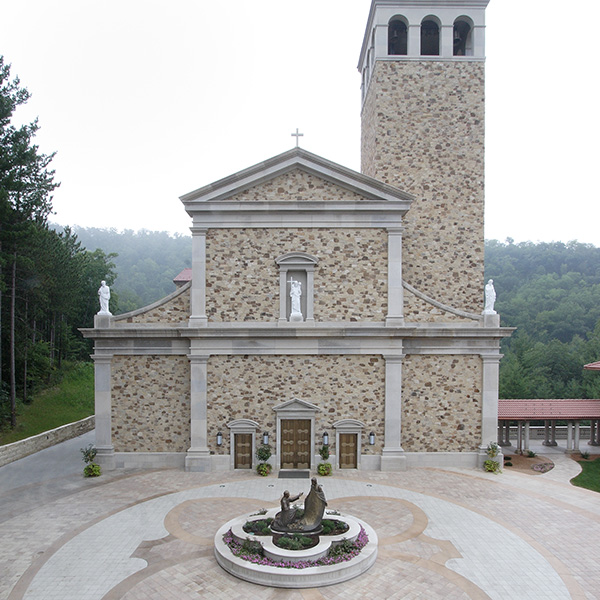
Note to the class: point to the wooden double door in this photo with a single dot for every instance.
(295, 443)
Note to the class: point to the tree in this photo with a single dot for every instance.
(26, 185)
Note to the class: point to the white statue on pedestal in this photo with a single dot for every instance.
(295, 295)
(104, 295)
(490, 298)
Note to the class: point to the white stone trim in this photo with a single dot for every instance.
(296, 409)
(243, 426)
(348, 426)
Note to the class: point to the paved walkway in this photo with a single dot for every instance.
(443, 533)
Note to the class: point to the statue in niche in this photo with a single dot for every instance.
(104, 295)
(490, 298)
(295, 295)
(286, 519)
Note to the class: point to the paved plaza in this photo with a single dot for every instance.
(443, 533)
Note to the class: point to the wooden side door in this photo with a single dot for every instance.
(243, 451)
(295, 444)
(348, 450)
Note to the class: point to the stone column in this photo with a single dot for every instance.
(577, 437)
(569, 436)
(395, 314)
(198, 456)
(526, 436)
(198, 299)
(504, 433)
(592, 441)
(392, 458)
(553, 434)
(546, 441)
(103, 406)
(489, 411)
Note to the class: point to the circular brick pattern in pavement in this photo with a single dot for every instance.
(194, 520)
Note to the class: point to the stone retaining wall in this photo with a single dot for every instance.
(31, 445)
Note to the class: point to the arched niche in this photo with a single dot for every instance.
(398, 36)
(463, 37)
(296, 267)
(430, 36)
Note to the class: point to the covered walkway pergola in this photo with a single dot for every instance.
(523, 411)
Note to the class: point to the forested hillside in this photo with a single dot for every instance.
(551, 293)
(146, 262)
(48, 280)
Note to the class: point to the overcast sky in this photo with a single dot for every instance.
(146, 100)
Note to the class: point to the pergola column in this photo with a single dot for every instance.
(577, 437)
(526, 435)
(569, 436)
(198, 456)
(392, 456)
(504, 433)
(103, 407)
(593, 432)
(553, 441)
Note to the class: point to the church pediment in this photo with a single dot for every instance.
(296, 406)
(296, 182)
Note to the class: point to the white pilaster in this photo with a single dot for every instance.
(395, 314)
(489, 408)
(393, 458)
(447, 41)
(198, 456)
(198, 299)
(414, 39)
(103, 404)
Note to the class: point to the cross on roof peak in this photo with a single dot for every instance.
(297, 135)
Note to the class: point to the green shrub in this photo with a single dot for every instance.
(263, 469)
(89, 453)
(324, 452)
(344, 547)
(531, 454)
(324, 469)
(585, 455)
(491, 466)
(92, 470)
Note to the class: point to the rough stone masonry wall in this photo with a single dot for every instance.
(172, 312)
(343, 387)
(297, 186)
(441, 403)
(242, 280)
(423, 131)
(150, 403)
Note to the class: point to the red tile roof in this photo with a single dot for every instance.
(525, 410)
(595, 366)
(184, 276)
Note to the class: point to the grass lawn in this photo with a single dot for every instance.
(589, 478)
(71, 400)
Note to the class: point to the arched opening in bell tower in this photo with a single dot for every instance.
(430, 37)
(463, 37)
(397, 37)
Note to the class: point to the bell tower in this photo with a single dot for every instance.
(422, 66)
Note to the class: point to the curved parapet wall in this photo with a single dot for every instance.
(171, 310)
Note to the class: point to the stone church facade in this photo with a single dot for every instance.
(386, 349)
